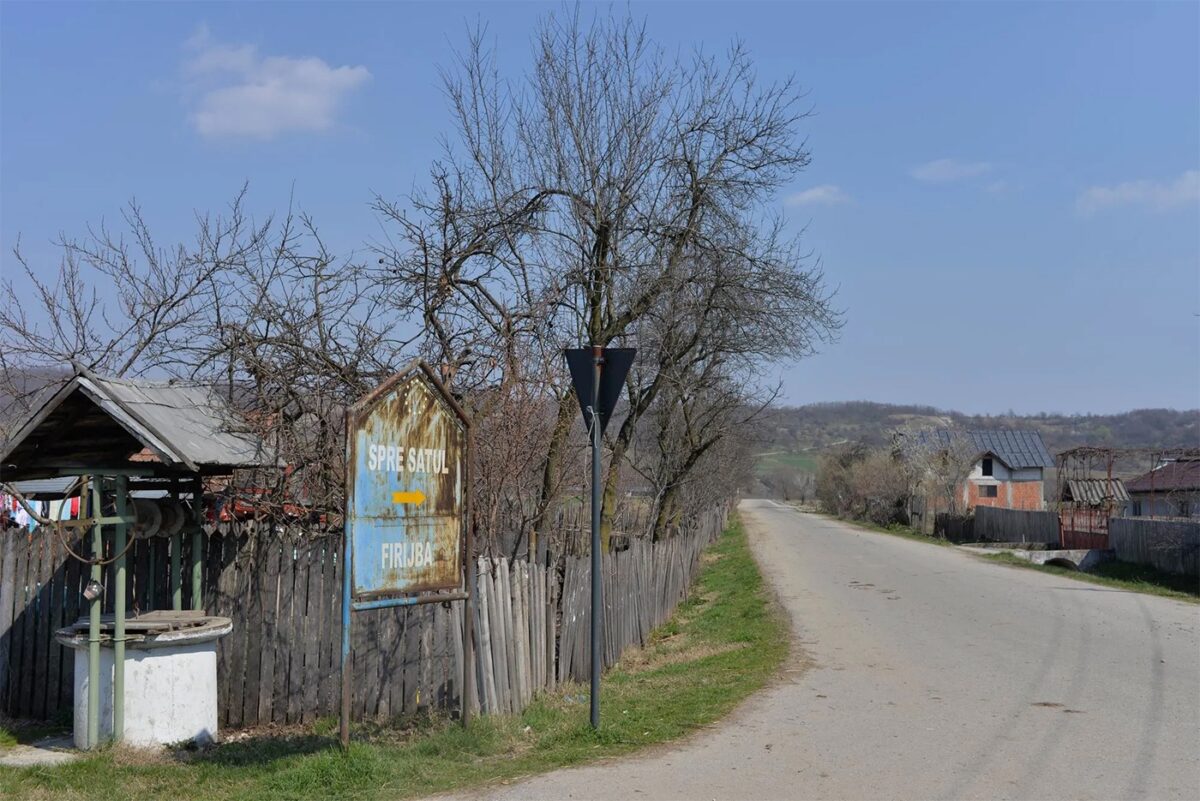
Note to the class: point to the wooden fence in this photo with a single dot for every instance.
(1167, 545)
(955, 528)
(283, 592)
(993, 524)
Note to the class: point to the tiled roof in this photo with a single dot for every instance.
(1171, 477)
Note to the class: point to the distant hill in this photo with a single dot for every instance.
(794, 437)
(798, 429)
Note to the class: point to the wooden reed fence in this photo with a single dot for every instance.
(283, 592)
(1168, 545)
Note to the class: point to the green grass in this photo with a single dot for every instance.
(1120, 575)
(726, 641)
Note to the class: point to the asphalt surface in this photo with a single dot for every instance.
(927, 673)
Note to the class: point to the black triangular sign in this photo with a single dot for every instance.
(615, 367)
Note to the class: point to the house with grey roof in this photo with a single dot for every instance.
(1007, 471)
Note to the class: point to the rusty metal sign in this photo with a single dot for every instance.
(406, 476)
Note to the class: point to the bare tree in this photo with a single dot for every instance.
(291, 333)
(578, 204)
(938, 462)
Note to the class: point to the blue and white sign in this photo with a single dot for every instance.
(405, 480)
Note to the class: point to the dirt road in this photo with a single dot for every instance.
(935, 675)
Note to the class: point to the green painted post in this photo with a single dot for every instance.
(93, 709)
(197, 544)
(119, 537)
(151, 582)
(176, 566)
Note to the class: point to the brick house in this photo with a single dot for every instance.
(1010, 470)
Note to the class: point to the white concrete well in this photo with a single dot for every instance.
(170, 678)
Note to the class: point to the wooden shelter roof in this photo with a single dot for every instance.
(94, 424)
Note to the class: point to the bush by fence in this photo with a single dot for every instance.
(1167, 545)
(993, 524)
(955, 528)
(283, 593)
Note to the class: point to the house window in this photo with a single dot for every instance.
(987, 490)
(1137, 508)
(1185, 509)
(987, 469)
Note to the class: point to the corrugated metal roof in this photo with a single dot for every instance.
(1095, 491)
(189, 420)
(1014, 448)
(1171, 477)
(1017, 449)
(186, 426)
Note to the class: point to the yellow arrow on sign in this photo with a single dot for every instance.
(416, 496)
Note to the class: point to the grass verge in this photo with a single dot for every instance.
(724, 642)
(1119, 575)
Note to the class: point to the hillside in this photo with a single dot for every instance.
(793, 437)
(817, 426)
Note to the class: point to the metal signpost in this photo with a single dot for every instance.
(408, 455)
(597, 374)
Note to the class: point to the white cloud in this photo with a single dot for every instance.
(942, 171)
(235, 92)
(1154, 195)
(823, 195)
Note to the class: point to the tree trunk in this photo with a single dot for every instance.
(609, 505)
(665, 503)
(553, 465)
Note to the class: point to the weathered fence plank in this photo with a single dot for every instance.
(8, 587)
(1167, 545)
(283, 592)
(993, 524)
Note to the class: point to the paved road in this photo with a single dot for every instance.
(934, 675)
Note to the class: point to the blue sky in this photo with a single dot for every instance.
(1007, 196)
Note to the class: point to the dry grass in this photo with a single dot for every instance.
(673, 652)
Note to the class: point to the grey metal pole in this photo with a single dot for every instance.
(197, 522)
(469, 680)
(176, 563)
(121, 531)
(151, 591)
(93, 709)
(597, 366)
(347, 579)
